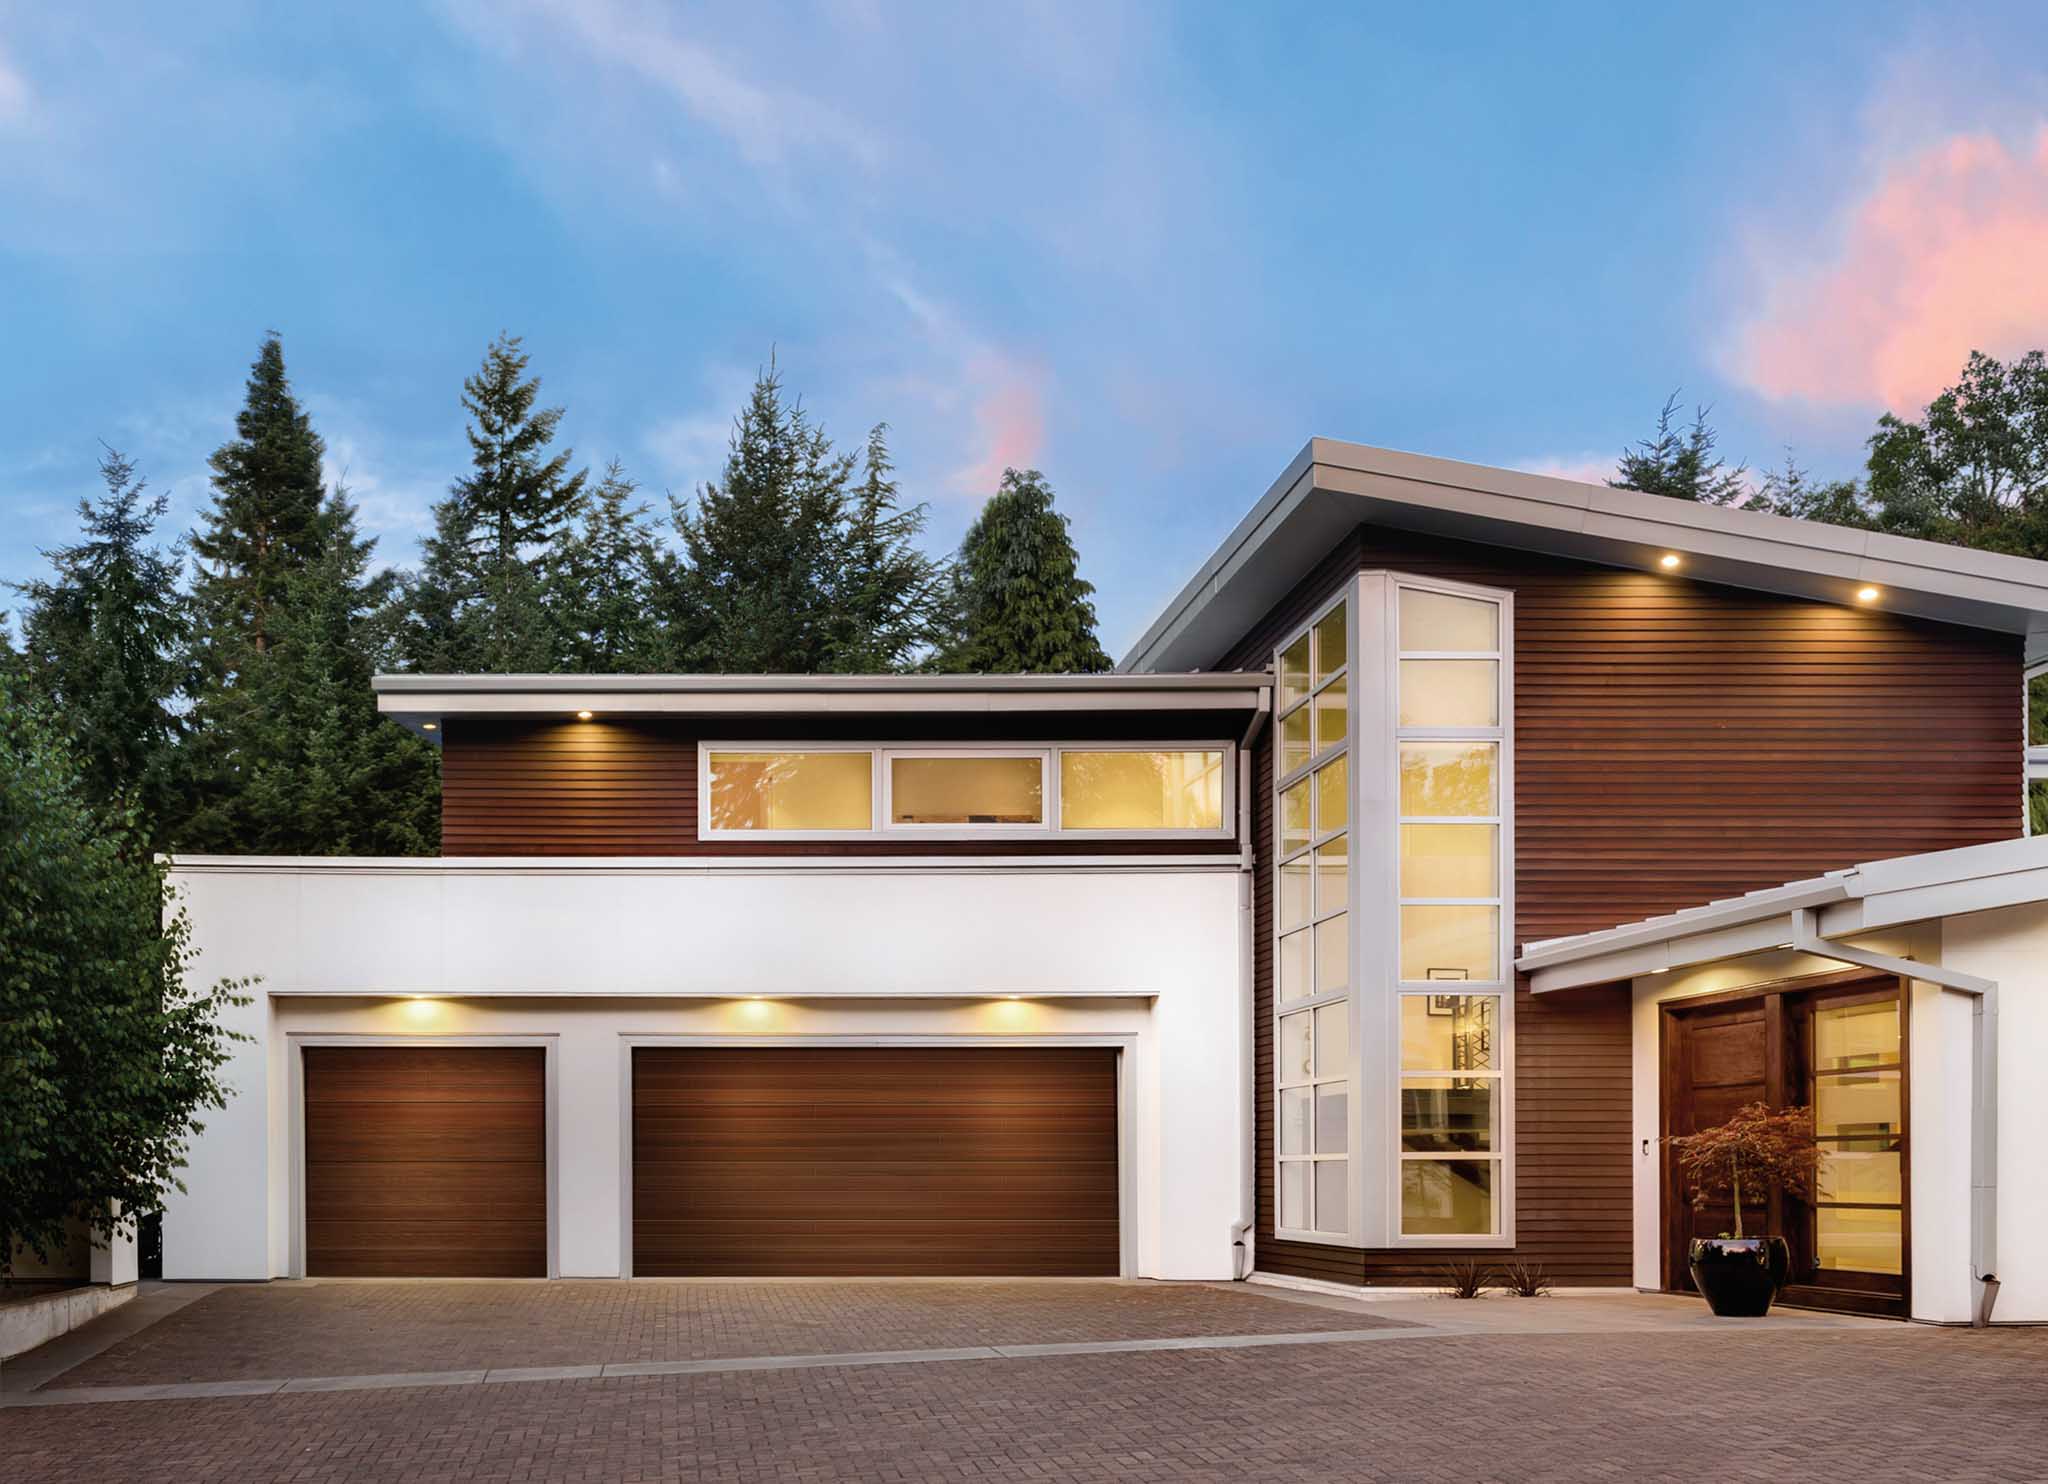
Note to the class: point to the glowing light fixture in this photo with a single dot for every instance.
(1868, 594)
(583, 715)
(1669, 561)
(430, 726)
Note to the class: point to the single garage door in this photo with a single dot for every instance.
(426, 1161)
(848, 1161)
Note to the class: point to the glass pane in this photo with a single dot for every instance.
(1333, 790)
(1859, 1104)
(1449, 778)
(967, 790)
(1850, 1036)
(1861, 1176)
(1450, 693)
(1442, 621)
(1860, 1241)
(1294, 1194)
(1294, 818)
(1294, 1065)
(1333, 1117)
(792, 790)
(1450, 944)
(1333, 1210)
(1330, 645)
(1294, 741)
(1446, 1115)
(1330, 715)
(1294, 1112)
(1333, 874)
(1447, 1197)
(1450, 1033)
(1141, 790)
(1333, 1040)
(1295, 983)
(1294, 893)
(1294, 672)
(1333, 953)
(1449, 860)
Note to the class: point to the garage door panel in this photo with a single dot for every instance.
(425, 1161)
(875, 1160)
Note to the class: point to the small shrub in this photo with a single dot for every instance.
(1464, 1280)
(1526, 1279)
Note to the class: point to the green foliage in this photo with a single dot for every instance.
(1792, 491)
(106, 1057)
(1018, 602)
(604, 573)
(517, 494)
(105, 639)
(886, 590)
(1973, 469)
(1681, 462)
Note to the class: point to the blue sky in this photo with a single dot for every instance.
(1148, 249)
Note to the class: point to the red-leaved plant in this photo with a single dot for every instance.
(1757, 1148)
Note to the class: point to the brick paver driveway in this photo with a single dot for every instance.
(1413, 1401)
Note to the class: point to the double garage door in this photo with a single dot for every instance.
(754, 1161)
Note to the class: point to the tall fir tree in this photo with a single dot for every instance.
(602, 575)
(888, 593)
(1792, 491)
(1019, 603)
(264, 525)
(105, 644)
(761, 547)
(1681, 462)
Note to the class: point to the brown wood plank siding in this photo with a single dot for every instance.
(629, 787)
(426, 1162)
(860, 1161)
(1674, 742)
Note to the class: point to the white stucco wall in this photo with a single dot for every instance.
(591, 956)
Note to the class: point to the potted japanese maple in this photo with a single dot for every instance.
(1757, 1152)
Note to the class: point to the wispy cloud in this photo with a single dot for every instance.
(1942, 254)
(16, 103)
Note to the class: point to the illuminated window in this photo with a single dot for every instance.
(1134, 790)
(790, 790)
(967, 789)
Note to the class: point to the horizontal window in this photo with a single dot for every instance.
(1141, 790)
(980, 790)
(791, 791)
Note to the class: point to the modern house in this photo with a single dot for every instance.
(1421, 866)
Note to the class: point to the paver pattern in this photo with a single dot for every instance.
(341, 1329)
(1738, 1404)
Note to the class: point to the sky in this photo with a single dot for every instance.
(1147, 249)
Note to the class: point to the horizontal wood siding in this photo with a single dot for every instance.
(1675, 742)
(629, 787)
(862, 1161)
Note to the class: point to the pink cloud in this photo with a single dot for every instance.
(1009, 425)
(1942, 256)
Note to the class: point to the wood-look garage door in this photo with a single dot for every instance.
(848, 1161)
(426, 1161)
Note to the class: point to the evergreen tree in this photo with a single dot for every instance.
(888, 590)
(302, 763)
(105, 639)
(1019, 604)
(602, 582)
(518, 495)
(1681, 462)
(761, 550)
(1794, 492)
(265, 522)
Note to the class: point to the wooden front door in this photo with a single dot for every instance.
(1717, 1060)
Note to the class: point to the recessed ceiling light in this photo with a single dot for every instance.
(583, 716)
(430, 726)
(1868, 594)
(1668, 561)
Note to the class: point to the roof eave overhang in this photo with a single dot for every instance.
(1331, 488)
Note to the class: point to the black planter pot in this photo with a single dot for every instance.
(1739, 1276)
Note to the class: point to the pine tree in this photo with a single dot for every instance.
(265, 521)
(105, 640)
(1019, 604)
(888, 590)
(761, 549)
(602, 575)
(1794, 492)
(1681, 463)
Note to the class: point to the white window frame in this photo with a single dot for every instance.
(888, 757)
(881, 827)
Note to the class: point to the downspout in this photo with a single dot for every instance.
(1983, 995)
(1241, 1238)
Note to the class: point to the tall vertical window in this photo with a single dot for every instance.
(1313, 979)
(1450, 770)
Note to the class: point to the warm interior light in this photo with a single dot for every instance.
(1868, 594)
(1668, 561)
(430, 726)
(583, 716)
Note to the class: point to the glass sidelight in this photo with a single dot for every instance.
(1859, 1121)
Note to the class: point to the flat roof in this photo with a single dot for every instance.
(1331, 487)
